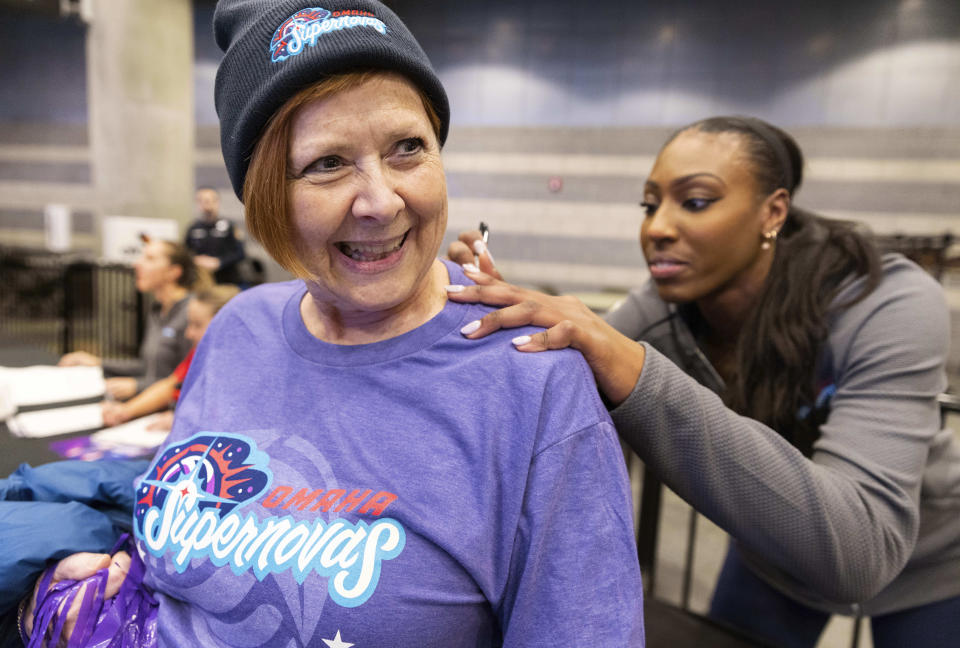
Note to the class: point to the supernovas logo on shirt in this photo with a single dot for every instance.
(189, 506)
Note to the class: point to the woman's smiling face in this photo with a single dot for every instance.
(704, 221)
(368, 195)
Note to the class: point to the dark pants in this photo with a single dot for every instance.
(747, 603)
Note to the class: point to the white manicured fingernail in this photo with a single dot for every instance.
(471, 327)
(479, 247)
(454, 288)
(520, 340)
(469, 267)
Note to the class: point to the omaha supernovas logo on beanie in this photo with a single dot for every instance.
(303, 28)
(273, 49)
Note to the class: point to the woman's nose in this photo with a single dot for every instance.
(660, 225)
(377, 197)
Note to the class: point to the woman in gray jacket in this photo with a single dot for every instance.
(785, 386)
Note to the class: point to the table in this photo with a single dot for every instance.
(15, 450)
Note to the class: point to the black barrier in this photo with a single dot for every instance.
(929, 252)
(103, 312)
(62, 303)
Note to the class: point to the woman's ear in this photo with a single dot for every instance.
(775, 208)
(176, 271)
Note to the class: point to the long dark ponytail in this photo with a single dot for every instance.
(814, 257)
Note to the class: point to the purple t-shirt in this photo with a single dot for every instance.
(427, 490)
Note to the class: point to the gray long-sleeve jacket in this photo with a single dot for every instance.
(874, 518)
(164, 346)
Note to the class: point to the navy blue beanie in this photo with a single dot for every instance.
(275, 48)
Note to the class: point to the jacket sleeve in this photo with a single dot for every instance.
(839, 527)
(33, 534)
(54, 510)
(124, 367)
(167, 361)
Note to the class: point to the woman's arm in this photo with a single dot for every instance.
(133, 367)
(152, 399)
(79, 359)
(840, 526)
(575, 579)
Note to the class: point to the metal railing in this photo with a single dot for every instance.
(62, 303)
(929, 252)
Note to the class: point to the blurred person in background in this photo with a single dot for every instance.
(167, 272)
(785, 385)
(213, 239)
(163, 394)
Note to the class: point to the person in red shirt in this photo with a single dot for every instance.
(164, 392)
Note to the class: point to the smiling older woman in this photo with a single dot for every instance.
(342, 493)
(344, 466)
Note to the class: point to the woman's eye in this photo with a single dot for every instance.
(697, 204)
(649, 207)
(328, 163)
(410, 146)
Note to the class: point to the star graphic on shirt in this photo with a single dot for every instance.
(337, 642)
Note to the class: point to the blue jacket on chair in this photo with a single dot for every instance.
(57, 509)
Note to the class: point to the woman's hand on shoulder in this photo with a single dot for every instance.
(615, 359)
(469, 249)
(80, 566)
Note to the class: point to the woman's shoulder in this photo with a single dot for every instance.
(898, 268)
(497, 347)
(558, 382)
(264, 295)
(900, 279)
(907, 310)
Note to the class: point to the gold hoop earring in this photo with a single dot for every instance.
(768, 240)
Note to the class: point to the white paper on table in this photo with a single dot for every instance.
(57, 420)
(42, 384)
(7, 407)
(132, 433)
